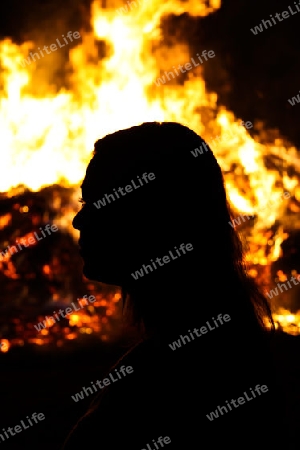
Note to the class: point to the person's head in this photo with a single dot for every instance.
(145, 195)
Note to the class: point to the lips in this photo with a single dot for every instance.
(81, 244)
(82, 251)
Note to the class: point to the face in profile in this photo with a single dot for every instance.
(100, 228)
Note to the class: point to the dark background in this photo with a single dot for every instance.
(253, 76)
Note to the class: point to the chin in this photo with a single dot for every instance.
(91, 273)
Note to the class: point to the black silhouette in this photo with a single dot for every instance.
(174, 388)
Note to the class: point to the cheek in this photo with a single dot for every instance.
(103, 241)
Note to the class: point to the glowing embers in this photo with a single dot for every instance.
(287, 321)
(26, 241)
(91, 322)
(68, 311)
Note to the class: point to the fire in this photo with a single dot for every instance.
(48, 136)
(4, 345)
(290, 323)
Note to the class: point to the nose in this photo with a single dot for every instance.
(77, 220)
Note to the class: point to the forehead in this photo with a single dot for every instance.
(120, 157)
(106, 171)
(97, 177)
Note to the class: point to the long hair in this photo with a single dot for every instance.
(187, 202)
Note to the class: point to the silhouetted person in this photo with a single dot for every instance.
(165, 238)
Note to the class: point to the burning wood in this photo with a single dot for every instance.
(47, 276)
